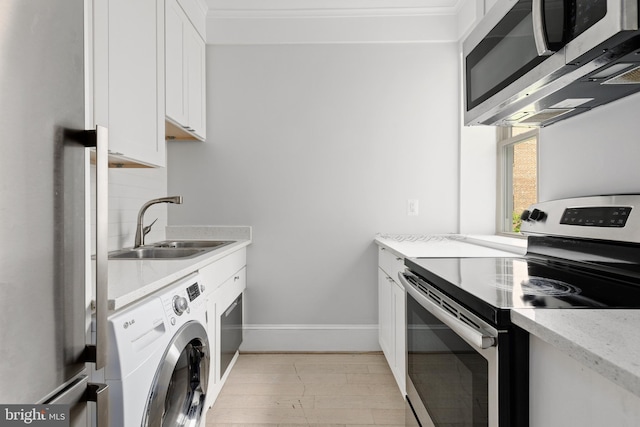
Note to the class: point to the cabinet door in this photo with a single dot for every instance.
(175, 29)
(136, 87)
(385, 317)
(195, 51)
(400, 333)
(564, 392)
(224, 297)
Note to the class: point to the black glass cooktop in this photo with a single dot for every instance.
(492, 286)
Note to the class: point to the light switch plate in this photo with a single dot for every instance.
(412, 207)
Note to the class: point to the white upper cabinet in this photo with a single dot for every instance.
(195, 48)
(129, 77)
(185, 76)
(175, 30)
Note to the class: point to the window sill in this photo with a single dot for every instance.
(508, 242)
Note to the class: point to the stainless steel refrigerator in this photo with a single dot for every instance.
(45, 271)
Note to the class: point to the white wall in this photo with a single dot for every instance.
(129, 189)
(594, 153)
(478, 180)
(318, 147)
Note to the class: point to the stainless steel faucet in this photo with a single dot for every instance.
(141, 230)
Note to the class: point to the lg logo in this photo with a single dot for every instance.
(129, 323)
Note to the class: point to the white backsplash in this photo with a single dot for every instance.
(129, 189)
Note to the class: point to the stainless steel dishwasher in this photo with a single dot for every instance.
(230, 333)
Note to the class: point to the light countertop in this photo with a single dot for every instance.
(130, 280)
(451, 245)
(607, 341)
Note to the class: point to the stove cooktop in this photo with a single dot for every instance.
(493, 286)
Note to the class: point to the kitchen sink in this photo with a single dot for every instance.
(207, 244)
(169, 249)
(155, 253)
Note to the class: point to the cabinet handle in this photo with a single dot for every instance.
(230, 309)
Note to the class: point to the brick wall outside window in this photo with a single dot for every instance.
(525, 191)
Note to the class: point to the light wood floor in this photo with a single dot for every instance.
(325, 390)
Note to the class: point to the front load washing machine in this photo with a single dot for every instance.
(159, 359)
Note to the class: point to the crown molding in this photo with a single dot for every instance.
(330, 8)
(337, 21)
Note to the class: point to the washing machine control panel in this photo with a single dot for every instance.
(180, 305)
(182, 300)
(193, 291)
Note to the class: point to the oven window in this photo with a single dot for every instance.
(450, 377)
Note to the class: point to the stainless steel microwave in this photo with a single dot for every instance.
(535, 62)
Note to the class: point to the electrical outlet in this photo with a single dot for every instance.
(412, 207)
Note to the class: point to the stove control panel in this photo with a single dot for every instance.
(533, 215)
(609, 216)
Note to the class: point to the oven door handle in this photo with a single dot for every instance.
(472, 336)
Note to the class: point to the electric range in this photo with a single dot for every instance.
(582, 253)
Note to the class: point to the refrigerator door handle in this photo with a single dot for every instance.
(81, 391)
(99, 394)
(98, 353)
(102, 234)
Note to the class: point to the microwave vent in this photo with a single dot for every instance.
(627, 78)
(544, 115)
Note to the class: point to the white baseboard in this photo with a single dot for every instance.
(311, 338)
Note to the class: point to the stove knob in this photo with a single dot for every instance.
(180, 305)
(537, 215)
(524, 216)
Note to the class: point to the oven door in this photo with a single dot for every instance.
(452, 364)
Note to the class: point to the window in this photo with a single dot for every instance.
(517, 175)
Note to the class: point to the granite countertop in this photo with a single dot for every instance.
(130, 280)
(451, 245)
(607, 341)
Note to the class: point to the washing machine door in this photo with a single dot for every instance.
(178, 392)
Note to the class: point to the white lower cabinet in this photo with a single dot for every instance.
(385, 316)
(225, 280)
(392, 315)
(564, 392)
